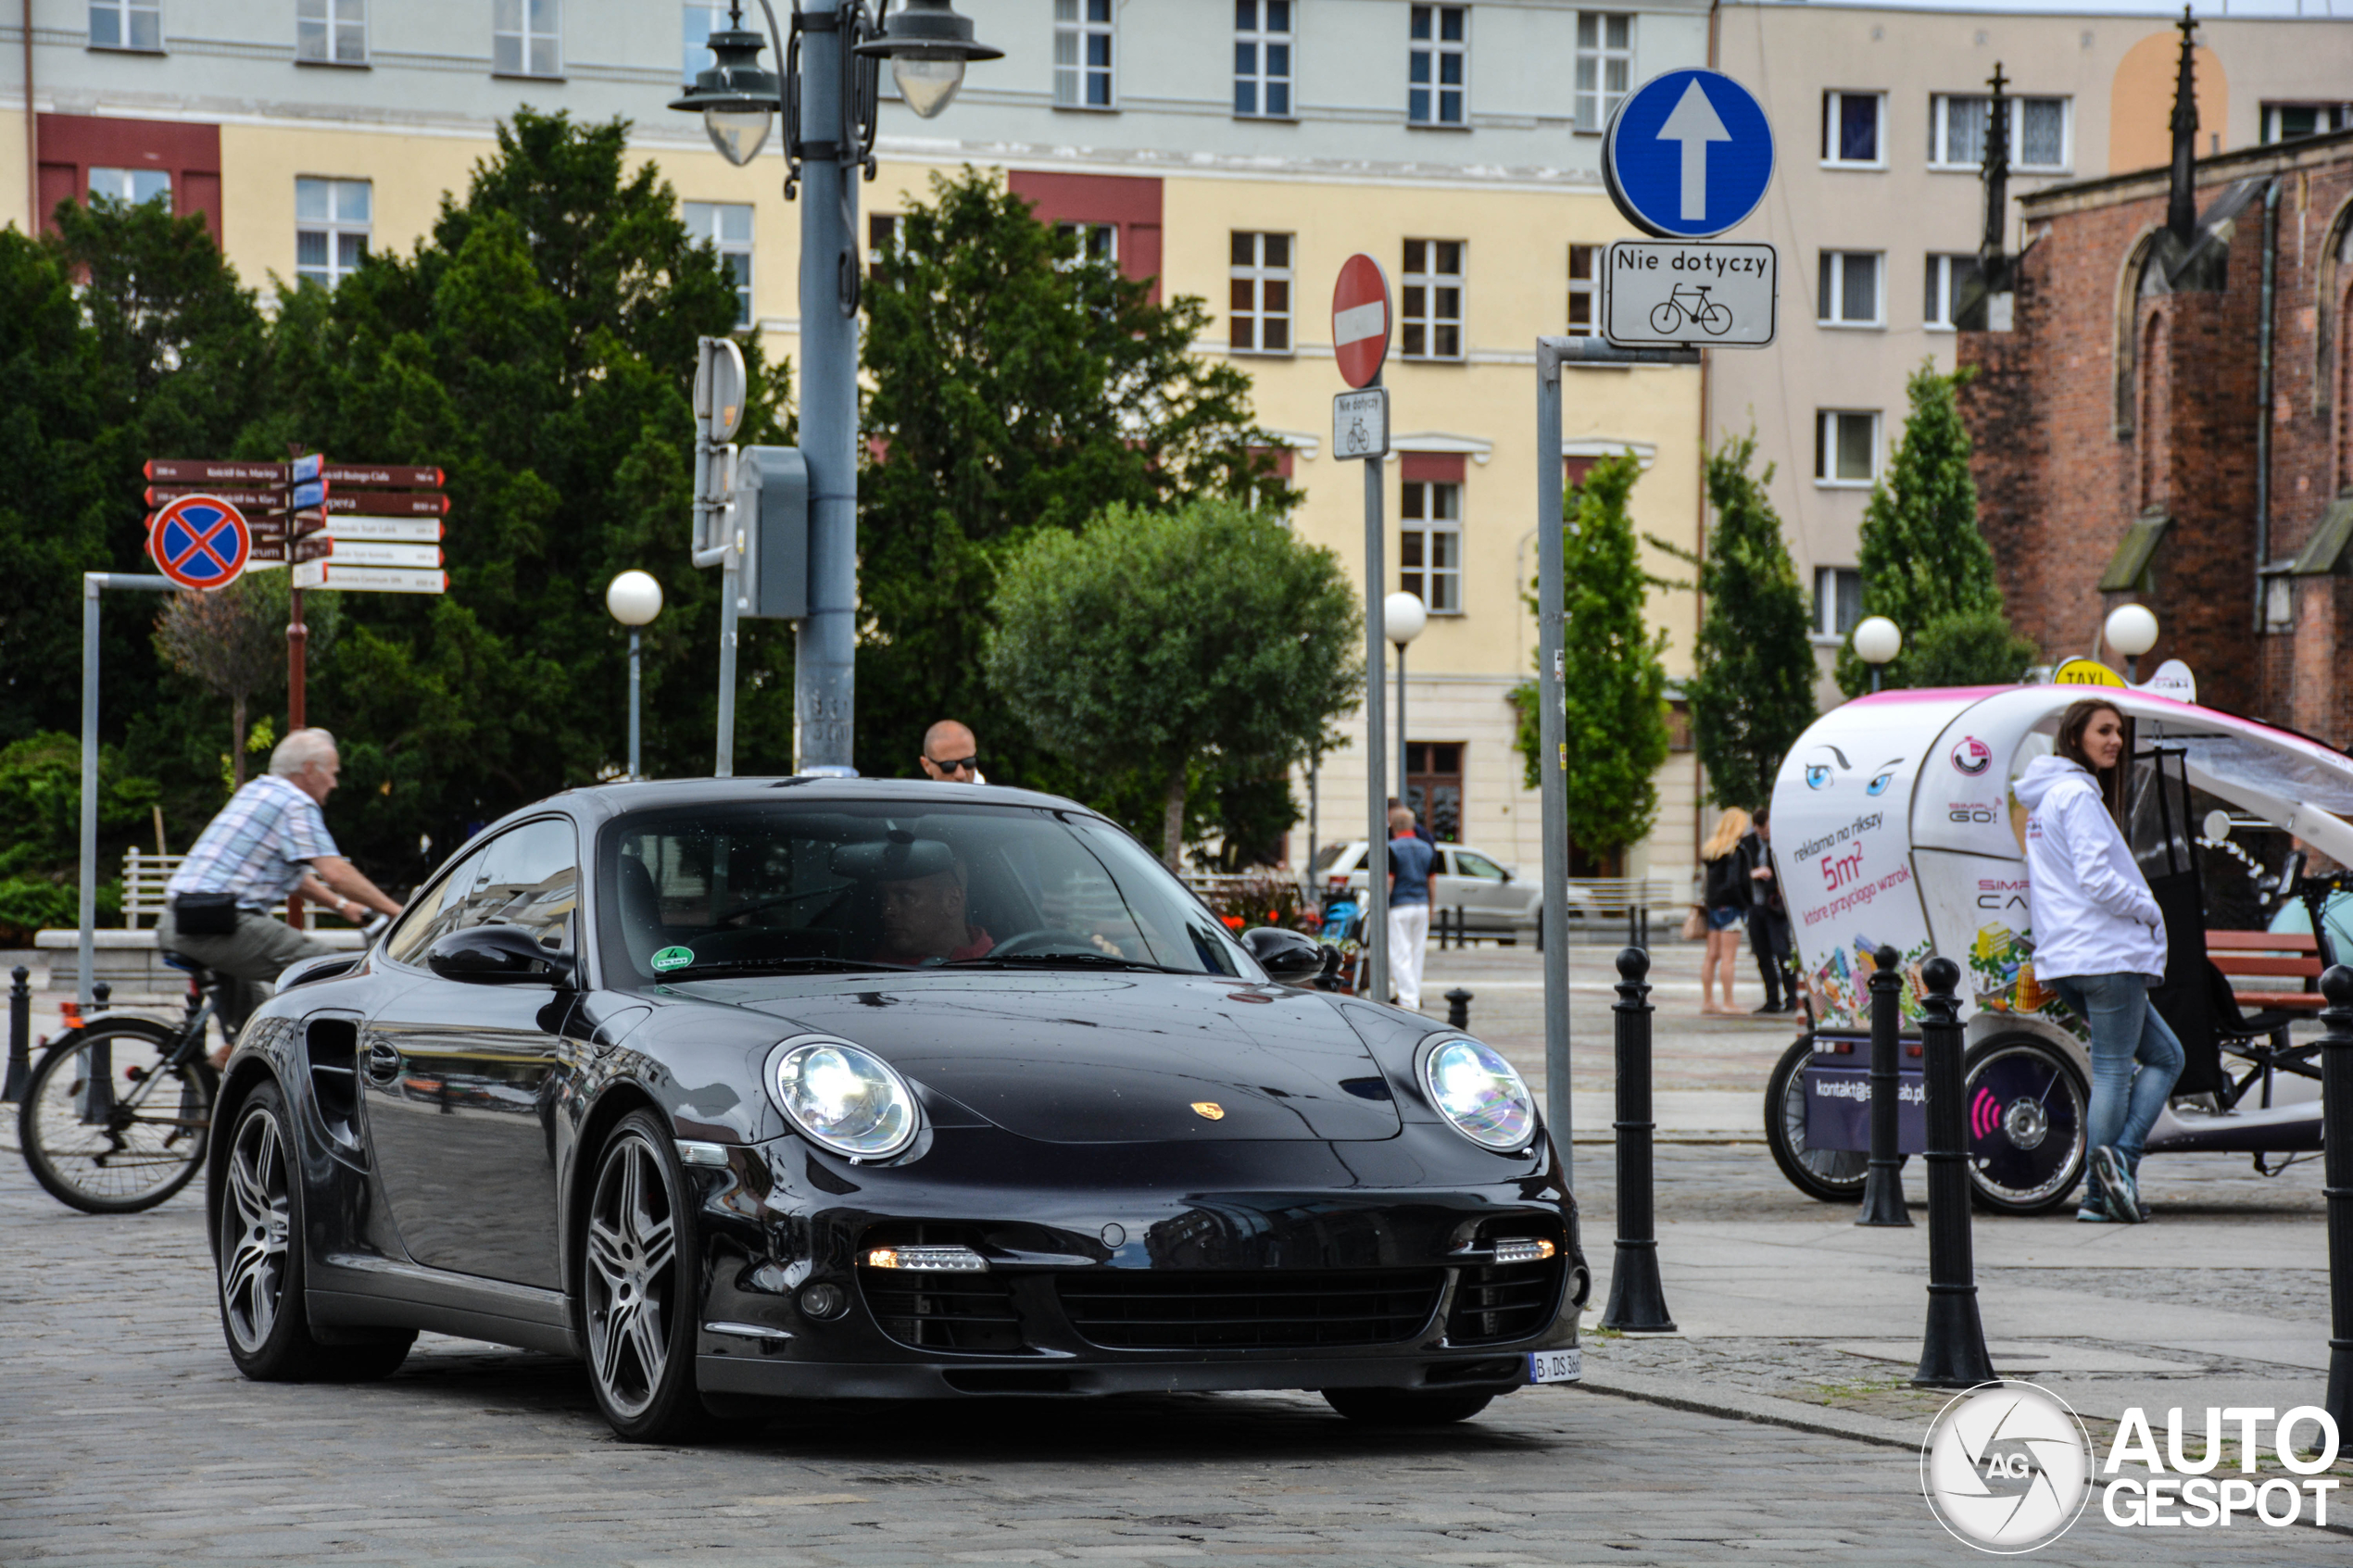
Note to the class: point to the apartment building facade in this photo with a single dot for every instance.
(1238, 151)
(1878, 114)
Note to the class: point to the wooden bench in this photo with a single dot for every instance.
(144, 877)
(2274, 954)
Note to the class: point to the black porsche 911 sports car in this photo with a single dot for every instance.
(747, 1090)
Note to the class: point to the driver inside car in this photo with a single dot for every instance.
(923, 920)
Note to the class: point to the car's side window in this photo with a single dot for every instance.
(1479, 866)
(435, 914)
(528, 876)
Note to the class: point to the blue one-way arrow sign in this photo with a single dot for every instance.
(1688, 155)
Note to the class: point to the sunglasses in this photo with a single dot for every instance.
(958, 765)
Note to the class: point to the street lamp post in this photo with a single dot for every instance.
(1403, 618)
(827, 97)
(634, 599)
(1877, 640)
(2132, 631)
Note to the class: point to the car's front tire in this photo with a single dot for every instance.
(260, 1265)
(638, 1267)
(1406, 1407)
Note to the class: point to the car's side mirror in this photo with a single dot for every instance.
(1291, 956)
(498, 955)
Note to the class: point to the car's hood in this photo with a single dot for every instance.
(1104, 1058)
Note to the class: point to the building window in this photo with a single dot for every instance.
(1434, 794)
(1098, 242)
(2038, 132)
(2289, 122)
(700, 19)
(1584, 295)
(126, 24)
(1430, 552)
(526, 37)
(1855, 129)
(1082, 55)
(882, 238)
(1845, 446)
(1849, 296)
(1261, 294)
(1432, 296)
(1604, 65)
(1437, 63)
(1838, 601)
(1262, 58)
(726, 228)
(330, 229)
(1949, 279)
(331, 32)
(132, 186)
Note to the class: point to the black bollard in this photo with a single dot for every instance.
(19, 1033)
(1953, 1352)
(1883, 1186)
(1458, 1003)
(1637, 1299)
(101, 995)
(2336, 1134)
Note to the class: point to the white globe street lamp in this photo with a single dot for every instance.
(634, 599)
(2131, 631)
(1403, 619)
(1877, 640)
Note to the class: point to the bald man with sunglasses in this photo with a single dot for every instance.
(951, 754)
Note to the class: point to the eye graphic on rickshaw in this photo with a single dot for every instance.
(1818, 768)
(1817, 774)
(1885, 776)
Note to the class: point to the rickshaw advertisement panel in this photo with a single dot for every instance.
(1843, 834)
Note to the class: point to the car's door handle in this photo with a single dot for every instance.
(384, 1062)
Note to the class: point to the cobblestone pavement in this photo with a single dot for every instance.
(127, 1438)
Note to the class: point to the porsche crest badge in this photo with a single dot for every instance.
(1209, 1108)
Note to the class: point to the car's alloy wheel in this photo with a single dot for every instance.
(1834, 1176)
(257, 1249)
(637, 1301)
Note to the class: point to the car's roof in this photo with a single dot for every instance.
(598, 803)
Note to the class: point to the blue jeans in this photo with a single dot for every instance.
(2126, 1031)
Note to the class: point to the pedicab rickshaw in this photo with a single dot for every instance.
(1894, 824)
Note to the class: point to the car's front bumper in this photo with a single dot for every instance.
(1314, 1220)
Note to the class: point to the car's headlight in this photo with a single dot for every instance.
(849, 1099)
(1479, 1092)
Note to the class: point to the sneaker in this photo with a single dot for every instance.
(2115, 1184)
(1768, 1007)
(2094, 1213)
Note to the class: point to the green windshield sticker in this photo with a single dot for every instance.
(673, 958)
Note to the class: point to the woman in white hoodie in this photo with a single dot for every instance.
(2099, 942)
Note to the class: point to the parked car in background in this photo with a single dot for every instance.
(1490, 894)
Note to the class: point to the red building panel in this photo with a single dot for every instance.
(72, 145)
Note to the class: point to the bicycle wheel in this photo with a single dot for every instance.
(108, 1126)
(1834, 1175)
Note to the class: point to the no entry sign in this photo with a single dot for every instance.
(200, 542)
(1360, 320)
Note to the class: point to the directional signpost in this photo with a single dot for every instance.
(1361, 323)
(1688, 157)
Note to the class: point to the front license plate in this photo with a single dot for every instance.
(1556, 1366)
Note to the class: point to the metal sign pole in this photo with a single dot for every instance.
(92, 584)
(1552, 728)
(1376, 936)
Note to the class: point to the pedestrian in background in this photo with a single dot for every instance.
(1725, 891)
(1768, 933)
(951, 754)
(2099, 942)
(1409, 861)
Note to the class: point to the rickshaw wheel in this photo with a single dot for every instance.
(1834, 1176)
(2028, 1108)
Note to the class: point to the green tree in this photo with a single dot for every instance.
(1751, 690)
(1615, 685)
(1209, 636)
(1014, 391)
(233, 642)
(1968, 648)
(1922, 557)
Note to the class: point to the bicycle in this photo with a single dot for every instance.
(1709, 316)
(117, 1113)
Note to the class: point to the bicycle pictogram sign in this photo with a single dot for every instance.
(200, 542)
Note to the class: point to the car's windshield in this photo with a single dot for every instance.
(833, 886)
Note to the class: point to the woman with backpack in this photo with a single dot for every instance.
(1726, 894)
(2099, 942)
